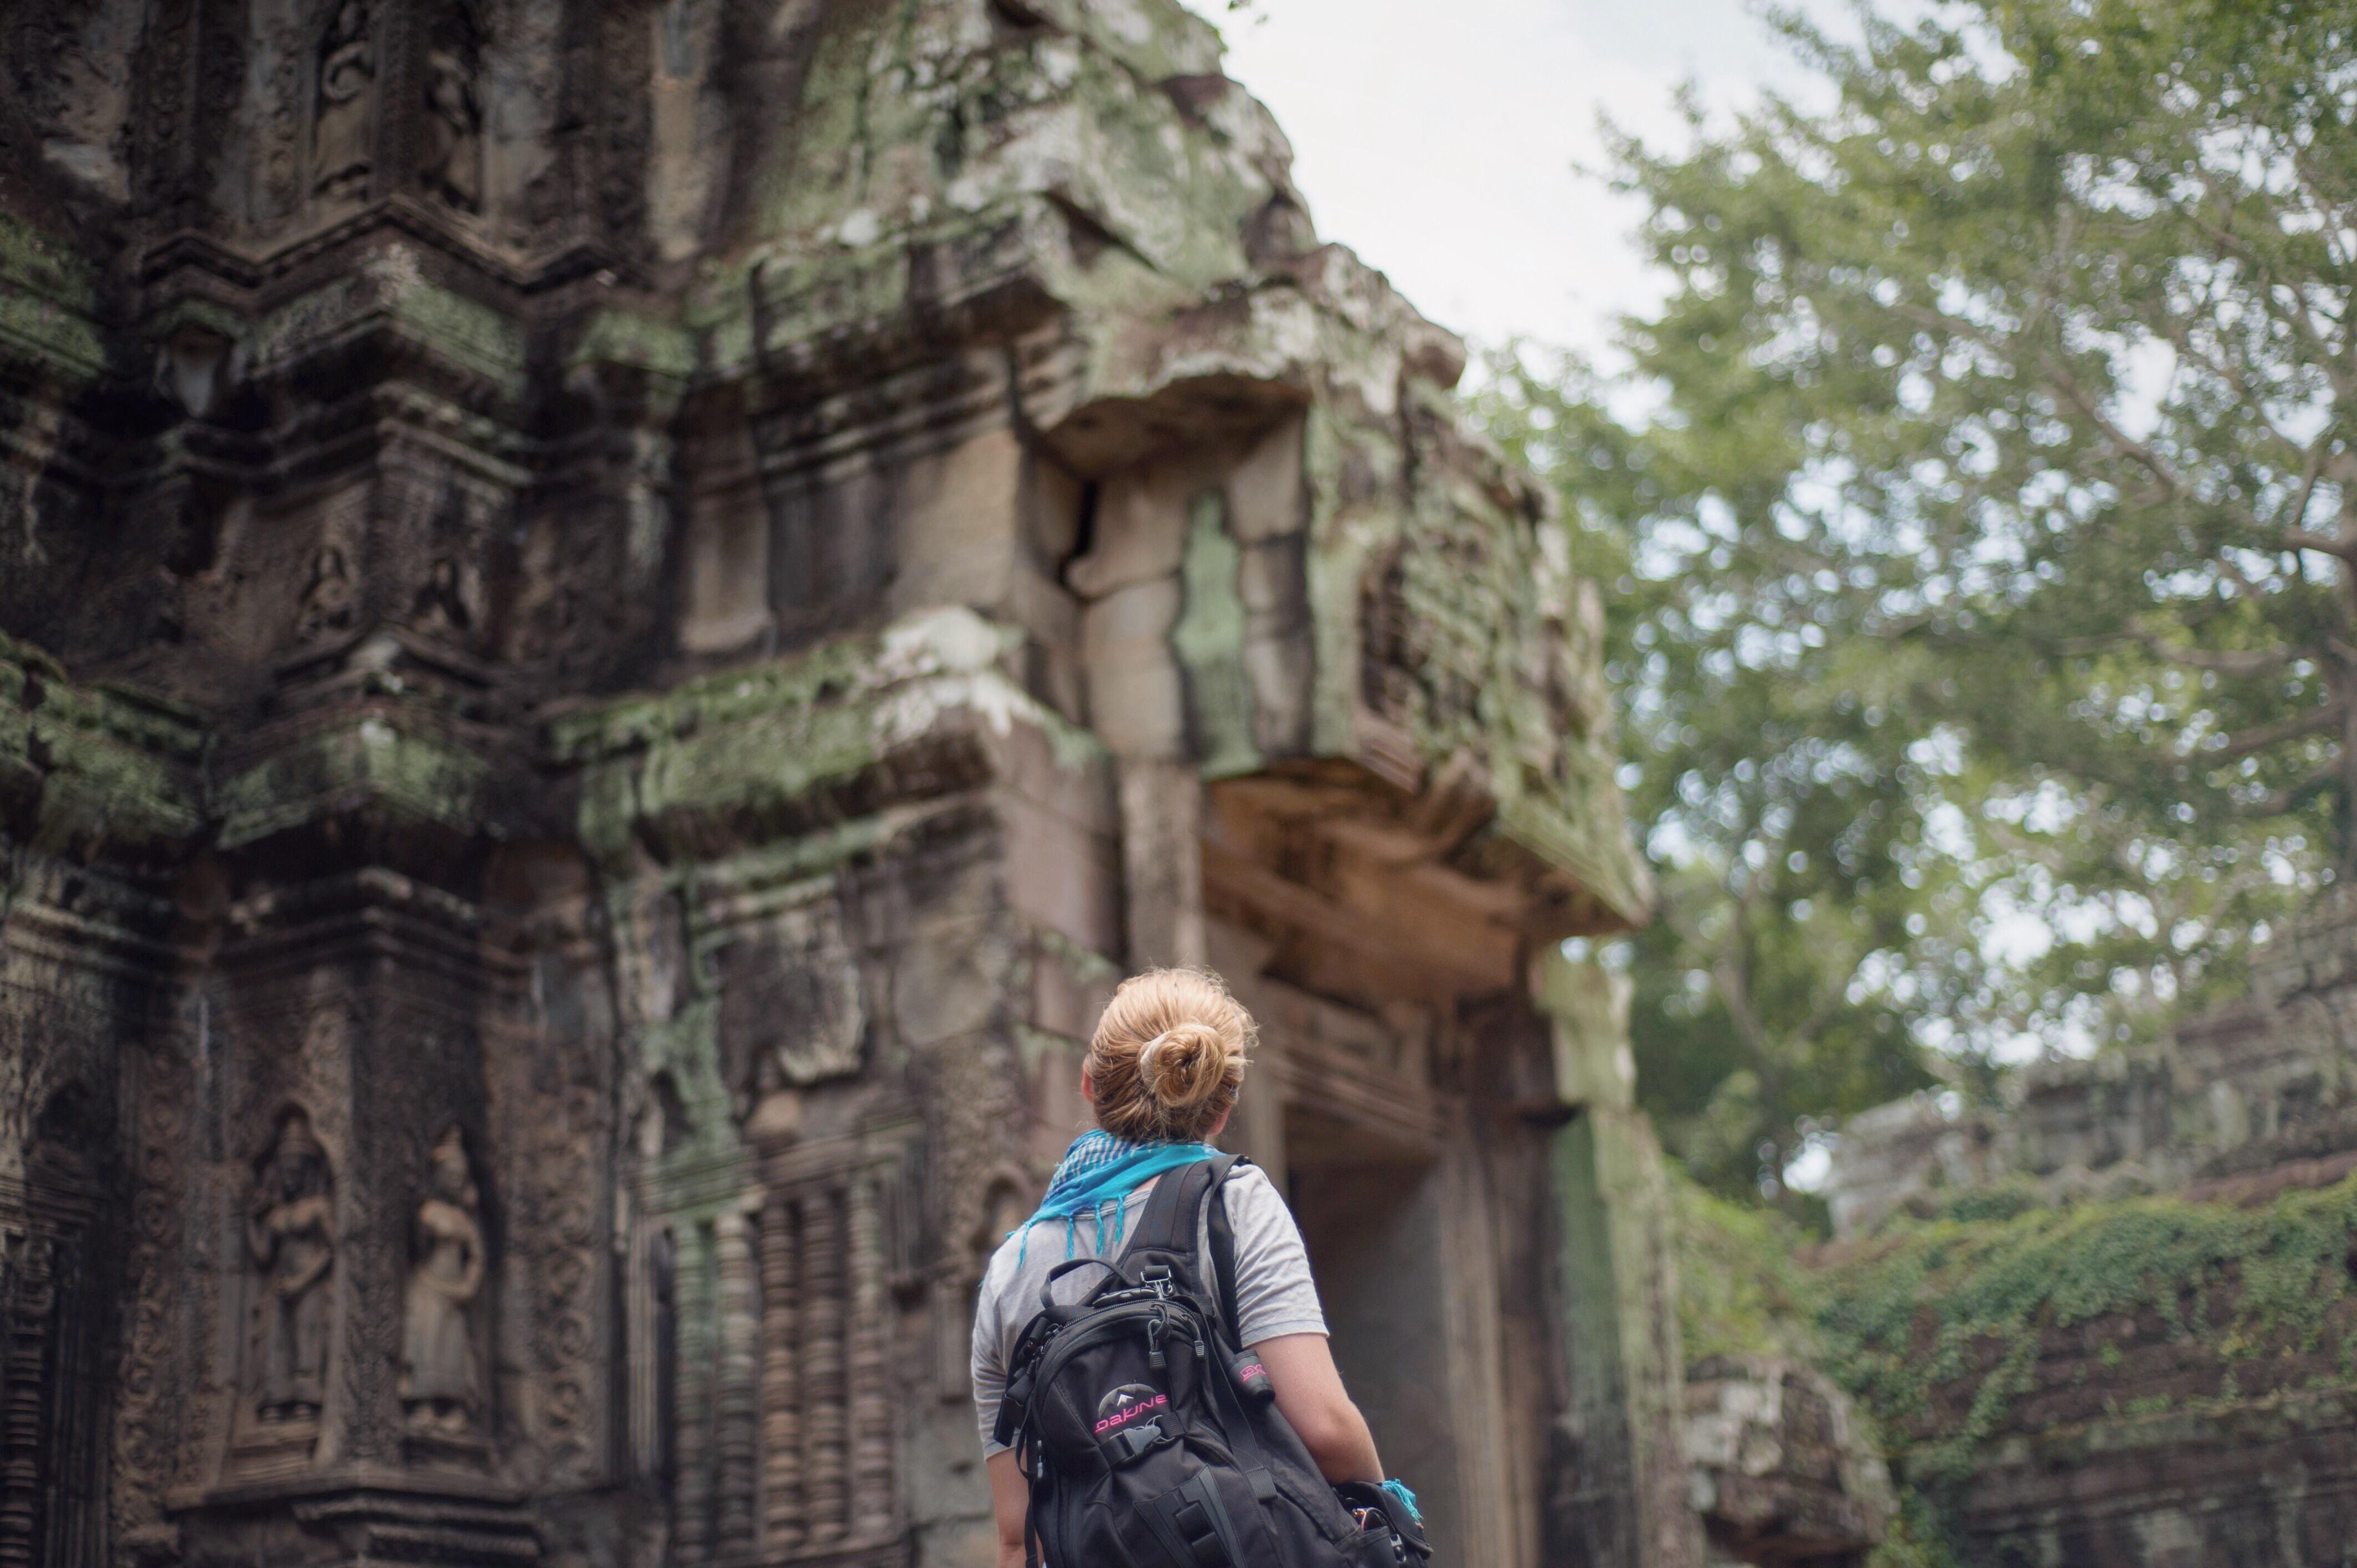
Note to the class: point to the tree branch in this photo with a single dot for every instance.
(2312, 722)
(2276, 803)
(2060, 380)
(2302, 320)
(2239, 662)
(2322, 544)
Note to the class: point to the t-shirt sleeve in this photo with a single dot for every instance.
(989, 1363)
(1275, 1295)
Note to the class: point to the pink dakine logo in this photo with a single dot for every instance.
(1125, 1404)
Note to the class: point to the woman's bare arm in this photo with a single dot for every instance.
(1010, 1498)
(1310, 1395)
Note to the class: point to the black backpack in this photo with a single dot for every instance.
(1151, 1441)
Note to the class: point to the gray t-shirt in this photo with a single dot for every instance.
(1275, 1295)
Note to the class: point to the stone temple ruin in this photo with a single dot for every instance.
(618, 617)
(2136, 1439)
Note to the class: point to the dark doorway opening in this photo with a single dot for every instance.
(1370, 1214)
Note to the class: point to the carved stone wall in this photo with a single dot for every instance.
(2139, 1435)
(616, 619)
(2261, 1084)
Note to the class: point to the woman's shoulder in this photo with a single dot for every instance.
(1006, 1258)
(1250, 1195)
(1249, 1178)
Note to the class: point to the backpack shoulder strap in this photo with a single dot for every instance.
(1176, 1214)
(1223, 1247)
(1169, 1223)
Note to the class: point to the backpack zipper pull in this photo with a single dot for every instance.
(1155, 1326)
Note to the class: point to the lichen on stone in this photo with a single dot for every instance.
(760, 738)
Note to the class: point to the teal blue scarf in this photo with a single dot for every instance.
(1098, 1169)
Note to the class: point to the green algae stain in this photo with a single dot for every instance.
(48, 299)
(634, 337)
(1209, 642)
(750, 747)
(104, 766)
(418, 777)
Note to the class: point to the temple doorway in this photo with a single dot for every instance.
(1372, 1228)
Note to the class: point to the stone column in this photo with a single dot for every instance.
(1620, 1492)
(782, 1520)
(737, 1415)
(1162, 862)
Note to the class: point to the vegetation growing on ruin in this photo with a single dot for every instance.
(1741, 1289)
(1940, 1328)
(1957, 1335)
(48, 299)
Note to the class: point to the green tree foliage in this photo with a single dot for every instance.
(1991, 530)
(1785, 795)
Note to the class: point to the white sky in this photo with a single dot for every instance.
(1439, 140)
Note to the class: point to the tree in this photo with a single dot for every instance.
(1784, 798)
(2021, 376)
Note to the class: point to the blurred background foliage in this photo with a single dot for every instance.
(1979, 514)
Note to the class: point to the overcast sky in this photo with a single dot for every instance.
(1438, 138)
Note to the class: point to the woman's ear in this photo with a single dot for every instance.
(1088, 1087)
(1219, 1126)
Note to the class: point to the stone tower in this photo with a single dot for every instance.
(618, 617)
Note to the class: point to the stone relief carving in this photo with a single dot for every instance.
(343, 134)
(452, 163)
(791, 998)
(441, 1375)
(28, 1301)
(328, 597)
(283, 52)
(53, 1288)
(73, 72)
(390, 1293)
(290, 1235)
(144, 1438)
(440, 606)
(566, 1280)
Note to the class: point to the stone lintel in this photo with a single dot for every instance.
(768, 751)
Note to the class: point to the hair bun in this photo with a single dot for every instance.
(1168, 1056)
(1184, 1066)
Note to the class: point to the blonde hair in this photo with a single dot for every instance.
(1168, 1055)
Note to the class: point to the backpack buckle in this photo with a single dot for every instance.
(1141, 1439)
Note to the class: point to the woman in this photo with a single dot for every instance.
(1161, 1075)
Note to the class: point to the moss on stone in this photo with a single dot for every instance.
(637, 339)
(1963, 1340)
(1341, 550)
(373, 761)
(1209, 639)
(390, 287)
(49, 303)
(1938, 1327)
(753, 743)
(1154, 39)
(909, 132)
(33, 258)
(1741, 1291)
(101, 767)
